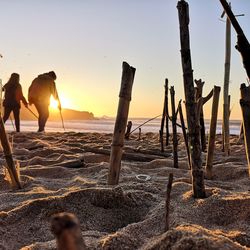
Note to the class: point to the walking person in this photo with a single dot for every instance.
(40, 91)
(12, 99)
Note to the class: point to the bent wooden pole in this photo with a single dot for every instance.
(245, 108)
(212, 132)
(174, 118)
(192, 118)
(128, 74)
(8, 157)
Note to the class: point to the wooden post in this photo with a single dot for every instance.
(162, 125)
(183, 127)
(212, 132)
(169, 188)
(161, 140)
(127, 80)
(129, 126)
(226, 89)
(165, 115)
(139, 136)
(8, 157)
(166, 111)
(192, 119)
(199, 89)
(174, 118)
(245, 108)
(1, 97)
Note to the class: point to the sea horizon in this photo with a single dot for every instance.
(106, 125)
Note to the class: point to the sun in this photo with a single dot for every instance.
(65, 103)
(53, 103)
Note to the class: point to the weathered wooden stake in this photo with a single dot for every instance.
(199, 90)
(192, 119)
(139, 136)
(245, 108)
(128, 74)
(1, 97)
(226, 106)
(8, 157)
(212, 132)
(129, 126)
(165, 115)
(166, 111)
(169, 188)
(161, 140)
(174, 118)
(183, 127)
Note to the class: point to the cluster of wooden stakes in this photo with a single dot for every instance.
(195, 138)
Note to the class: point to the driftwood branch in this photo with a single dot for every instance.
(143, 156)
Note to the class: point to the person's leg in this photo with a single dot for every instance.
(43, 111)
(16, 111)
(7, 111)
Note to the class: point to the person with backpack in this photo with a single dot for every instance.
(40, 91)
(12, 98)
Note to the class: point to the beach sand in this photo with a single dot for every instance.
(130, 215)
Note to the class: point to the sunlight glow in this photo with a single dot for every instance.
(53, 103)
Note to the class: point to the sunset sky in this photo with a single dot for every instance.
(85, 42)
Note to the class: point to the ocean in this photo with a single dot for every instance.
(107, 126)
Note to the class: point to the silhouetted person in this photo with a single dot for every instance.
(12, 98)
(40, 92)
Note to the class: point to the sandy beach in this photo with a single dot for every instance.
(130, 215)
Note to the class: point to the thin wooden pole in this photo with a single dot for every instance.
(139, 135)
(245, 108)
(169, 188)
(161, 140)
(129, 126)
(199, 89)
(127, 80)
(183, 127)
(162, 126)
(1, 97)
(192, 119)
(174, 118)
(166, 110)
(8, 157)
(226, 89)
(212, 132)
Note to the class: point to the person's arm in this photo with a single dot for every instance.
(55, 95)
(19, 94)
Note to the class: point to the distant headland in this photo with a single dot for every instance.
(68, 114)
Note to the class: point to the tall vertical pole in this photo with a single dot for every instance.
(128, 74)
(192, 117)
(166, 110)
(226, 132)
